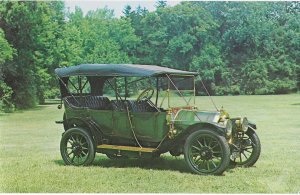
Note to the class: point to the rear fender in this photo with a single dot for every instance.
(76, 122)
(84, 124)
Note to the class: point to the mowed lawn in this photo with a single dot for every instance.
(30, 160)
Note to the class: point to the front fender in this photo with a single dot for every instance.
(252, 125)
(185, 130)
(188, 129)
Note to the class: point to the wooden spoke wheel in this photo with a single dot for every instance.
(206, 152)
(77, 147)
(246, 150)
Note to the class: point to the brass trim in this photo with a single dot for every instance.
(126, 148)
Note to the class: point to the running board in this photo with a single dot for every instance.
(126, 148)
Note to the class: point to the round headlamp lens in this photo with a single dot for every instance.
(228, 127)
(245, 124)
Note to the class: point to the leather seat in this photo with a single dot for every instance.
(119, 105)
(133, 106)
(141, 106)
(92, 102)
(103, 103)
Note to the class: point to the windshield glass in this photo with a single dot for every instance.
(176, 91)
(128, 88)
(165, 92)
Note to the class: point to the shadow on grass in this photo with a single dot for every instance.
(36, 108)
(4, 114)
(162, 163)
(59, 162)
(296, 104)
(231, 167)
(20, 111)
(51, 101)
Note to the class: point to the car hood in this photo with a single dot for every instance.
(207, 116)
(203, 116)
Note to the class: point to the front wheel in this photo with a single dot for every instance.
(77, 148)
(206, 152)
(246, 149)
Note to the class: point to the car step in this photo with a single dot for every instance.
(126, 148)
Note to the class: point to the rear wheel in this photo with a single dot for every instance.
(246, 149)
(77, 148)
(206, 152)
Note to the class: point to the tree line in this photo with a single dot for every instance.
(237, 47)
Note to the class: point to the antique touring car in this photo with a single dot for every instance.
(106, 112)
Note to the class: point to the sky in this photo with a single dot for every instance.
(116, 5)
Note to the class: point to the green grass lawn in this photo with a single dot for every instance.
(31, 162)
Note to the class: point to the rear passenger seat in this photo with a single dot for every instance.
(103, 103)
(119, 105)
(133, 106)
(92, 102)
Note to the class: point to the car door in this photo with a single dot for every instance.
(150, 126)
(121, 124)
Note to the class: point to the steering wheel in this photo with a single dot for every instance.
(146, 94)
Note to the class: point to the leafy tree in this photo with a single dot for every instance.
(6, 55)
(237, 47)
(210, 65)
(161, 4)
(98, 38)
(31, 28)
(127, 11)
(172, 35)
(261, 33)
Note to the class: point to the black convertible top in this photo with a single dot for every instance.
(118, 70)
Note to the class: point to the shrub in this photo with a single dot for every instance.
(6, 103)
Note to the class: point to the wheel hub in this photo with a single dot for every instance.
(77, 149)
(247, 142)
(206, 153)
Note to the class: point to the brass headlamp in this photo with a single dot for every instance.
(242, 124)
(228, 127)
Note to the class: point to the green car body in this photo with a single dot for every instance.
(121, 127)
